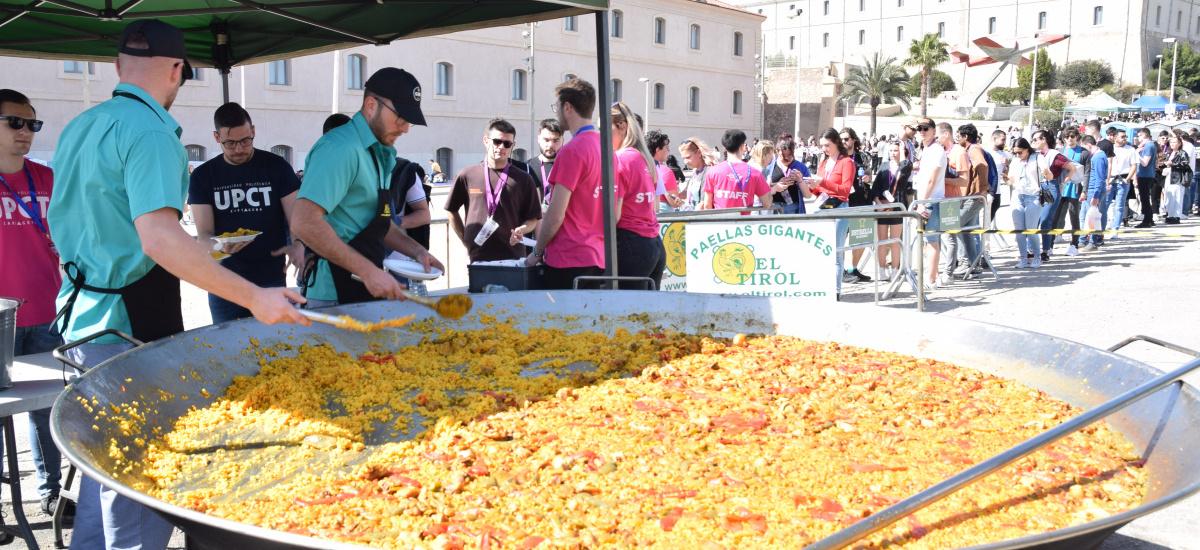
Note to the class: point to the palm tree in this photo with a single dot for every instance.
(878, 81)
(927, 53)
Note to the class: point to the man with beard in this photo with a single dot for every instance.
(550, 140)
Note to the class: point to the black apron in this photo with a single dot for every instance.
(369, 243)
(153, 302)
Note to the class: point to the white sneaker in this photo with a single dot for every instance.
(1072, 251)
(1024, 263)
(1036, 263)
(884, 273)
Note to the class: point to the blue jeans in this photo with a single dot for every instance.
(1102, 205)
(103, 518)
(1025, 216)
(1049, 212)
(793, 208)
(46, 457)
(969, 247)
(842, 229)
(1118, 199)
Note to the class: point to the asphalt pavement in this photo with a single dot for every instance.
(1134, 285)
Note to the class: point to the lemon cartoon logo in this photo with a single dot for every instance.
(733, 263)
(673, 241)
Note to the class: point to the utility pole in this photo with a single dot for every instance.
(800, 44)
(533, 146)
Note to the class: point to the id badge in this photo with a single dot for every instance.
(888, 195)
(486, 231)
(820, 200)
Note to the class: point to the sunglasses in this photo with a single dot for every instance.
(502, 142)
(16, 123)
(924, 128)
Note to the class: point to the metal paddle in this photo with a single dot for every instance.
(910, 505)
(450, 306)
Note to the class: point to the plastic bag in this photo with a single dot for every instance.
(1092, 223)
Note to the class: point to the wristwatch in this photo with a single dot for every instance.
(541, 254)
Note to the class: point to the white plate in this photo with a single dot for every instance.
(411, 269)
(240, 239)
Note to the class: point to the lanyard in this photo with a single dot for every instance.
(545, 180)
(493, 196)
(741, 186)
(32, 207)
(784, 169)
(588, 128)
(831, 163)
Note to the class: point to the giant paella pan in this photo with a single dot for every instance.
(168, 379)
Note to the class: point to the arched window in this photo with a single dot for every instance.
(615, 91)
(737, 102)
(618, 24)
(518, 84)
(197, 74)
(356, 67)
(825, 40)
(1041, 20)
(444, 79)
(826, 7)
(1157, 16)
(660, 96)
(862, 37)
(660, 30)
(1179, 20)
(283, 151)
(791, 42)
(941, 30)
(1098, 15)
(694, 40)
(991, 25)
(445, 158)
(571, 23)
(900, 33)
(279, 73)
(196, 153)
(694, 99)
(737, 44)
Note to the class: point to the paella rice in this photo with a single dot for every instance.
(672, 441)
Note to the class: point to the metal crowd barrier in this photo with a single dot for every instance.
(983, 223)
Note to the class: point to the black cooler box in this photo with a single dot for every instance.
(511, 278)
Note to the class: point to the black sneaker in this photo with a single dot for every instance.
(51, 502)
(1144, 225)
(1172, 221)
(1045, 257)
(862, 277)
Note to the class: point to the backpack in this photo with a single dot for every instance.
(404, 175)
(993, 172)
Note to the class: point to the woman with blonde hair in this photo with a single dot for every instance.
(762, 155)
(640, 251)
(697, 156)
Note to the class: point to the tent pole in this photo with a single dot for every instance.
(224, 86)
(606, 151)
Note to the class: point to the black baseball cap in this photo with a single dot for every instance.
(402, 89)
(164, 39)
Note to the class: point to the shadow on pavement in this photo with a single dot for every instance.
(1122, 542)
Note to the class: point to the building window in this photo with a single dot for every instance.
(826, 7)
(279, 73)
(195, 153)
(1179, 20)
(941, 30)
(76, 67)
(1041, 20)
(660, 97)
(445, 159)
(862, 37)
(571, 23)
(520, 155)
(694, 37)
(198, 74)
(614, 92)
(737, 44)
(518, 85)
(444, 80)
(737, 102)
(283, 151)
(618, 24)
(862, 5)
(991, 25)
(791, 42)
(660, 30)
(900, 33)
(899, 3)
(1098, 15)
(825, 40)
(694, 99)
(1158, 16)
(356, 66)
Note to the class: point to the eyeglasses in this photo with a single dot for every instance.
(232, 145)
(502, 142)
(389, 107)
(924, 128)
(554, 108)
(16, 123)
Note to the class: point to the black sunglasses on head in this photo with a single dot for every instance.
(16, 123)
(498, 142)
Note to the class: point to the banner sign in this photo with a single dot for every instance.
(778, 259)
(949, 213)
(674, 239)
(862, 231)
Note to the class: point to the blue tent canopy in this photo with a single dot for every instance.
(1155, 103)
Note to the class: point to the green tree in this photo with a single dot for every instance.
(1188, 74)
(925, 54)
(878, 81)
(1003, 96)
(938, 82)
(1152, 80)
(1085, 75)
(1045, 73)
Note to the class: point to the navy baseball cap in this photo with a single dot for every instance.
(164, 40)
(402, 89)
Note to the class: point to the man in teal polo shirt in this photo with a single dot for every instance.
(343, 212)
(121, 176)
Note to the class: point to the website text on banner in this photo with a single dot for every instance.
(779, 259)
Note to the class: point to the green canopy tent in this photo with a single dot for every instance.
(225, 33)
